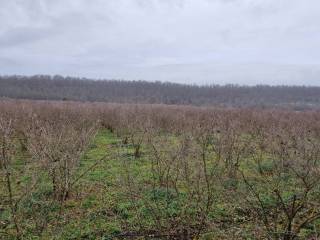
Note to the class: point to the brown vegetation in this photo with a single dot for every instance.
(262, 166)
(43, 87)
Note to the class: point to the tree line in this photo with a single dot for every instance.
(44, 87)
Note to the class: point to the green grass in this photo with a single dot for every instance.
(103, 210)
(103, 203)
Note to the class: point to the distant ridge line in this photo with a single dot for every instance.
(45, 87)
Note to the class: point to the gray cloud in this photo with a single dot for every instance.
(193, 41)
(23, 35)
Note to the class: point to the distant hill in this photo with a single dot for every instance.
(43, 87)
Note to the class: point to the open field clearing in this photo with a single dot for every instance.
(119, 171)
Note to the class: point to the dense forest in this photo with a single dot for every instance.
(46, 87)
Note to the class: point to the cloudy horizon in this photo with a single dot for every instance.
(249, 42)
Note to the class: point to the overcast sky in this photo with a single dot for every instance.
(187, 41)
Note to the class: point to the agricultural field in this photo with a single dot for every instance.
(74, 170)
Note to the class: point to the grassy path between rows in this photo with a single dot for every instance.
(90, 214)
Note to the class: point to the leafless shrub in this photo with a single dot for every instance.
(194, 162)
(284, 184)
(59, 141)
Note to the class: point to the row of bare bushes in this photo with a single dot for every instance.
(263, 165)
